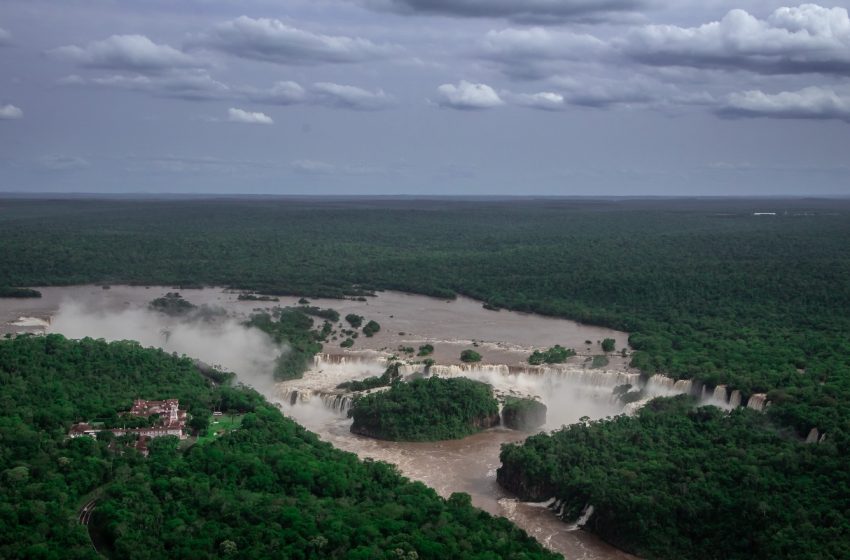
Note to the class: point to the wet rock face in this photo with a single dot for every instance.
(486, 422)
(523, 414)
(512, 478)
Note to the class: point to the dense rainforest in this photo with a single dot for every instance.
(267, 489)
(708, 291)
(430, 409)
(677, 481)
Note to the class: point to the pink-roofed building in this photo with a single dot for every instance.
(172, 421)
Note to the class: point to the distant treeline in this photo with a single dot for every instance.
(7, 292)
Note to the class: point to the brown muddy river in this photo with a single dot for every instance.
(502, 338)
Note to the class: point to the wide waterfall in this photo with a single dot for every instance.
(661, 385)
(757, 402)
(735, 399)
(578, 375)
(322, 359)
(585, 516)
(338, 402)
(562, 387)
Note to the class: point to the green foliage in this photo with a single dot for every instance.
(9, 292)
(370, 328)
(470, 356)
(599, 361)
(625, 395)
(429, 409)
(269, 489)
(390, 376)
(347, 343)
(608, 345)
(331, 315)
(523, 414)
(294, 328)
(255, 297)
(680, 482)
(354, 320)
(426, 350)
(554, 355)
(171, 303)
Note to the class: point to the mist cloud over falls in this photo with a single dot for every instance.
(224, 341)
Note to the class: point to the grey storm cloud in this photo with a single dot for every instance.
(186, 85)
(521, 77)
(281, 93)
(526, 53)
(200, 86)
(350, 97)
(272, 40)
(135, 53)
(468, 96)
(813, 102)
(634, 90)
(543, 101)
(519, 10)
(794, 40)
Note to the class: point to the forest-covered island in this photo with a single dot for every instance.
(430, 409)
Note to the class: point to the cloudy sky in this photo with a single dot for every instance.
(550, 97)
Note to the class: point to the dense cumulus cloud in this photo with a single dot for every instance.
(127, 52)
(808, 103)
(248, 117)
(553, 11)
(468, 96)
(792, 40)
(272, 40)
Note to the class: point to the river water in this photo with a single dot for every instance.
(504, 339)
